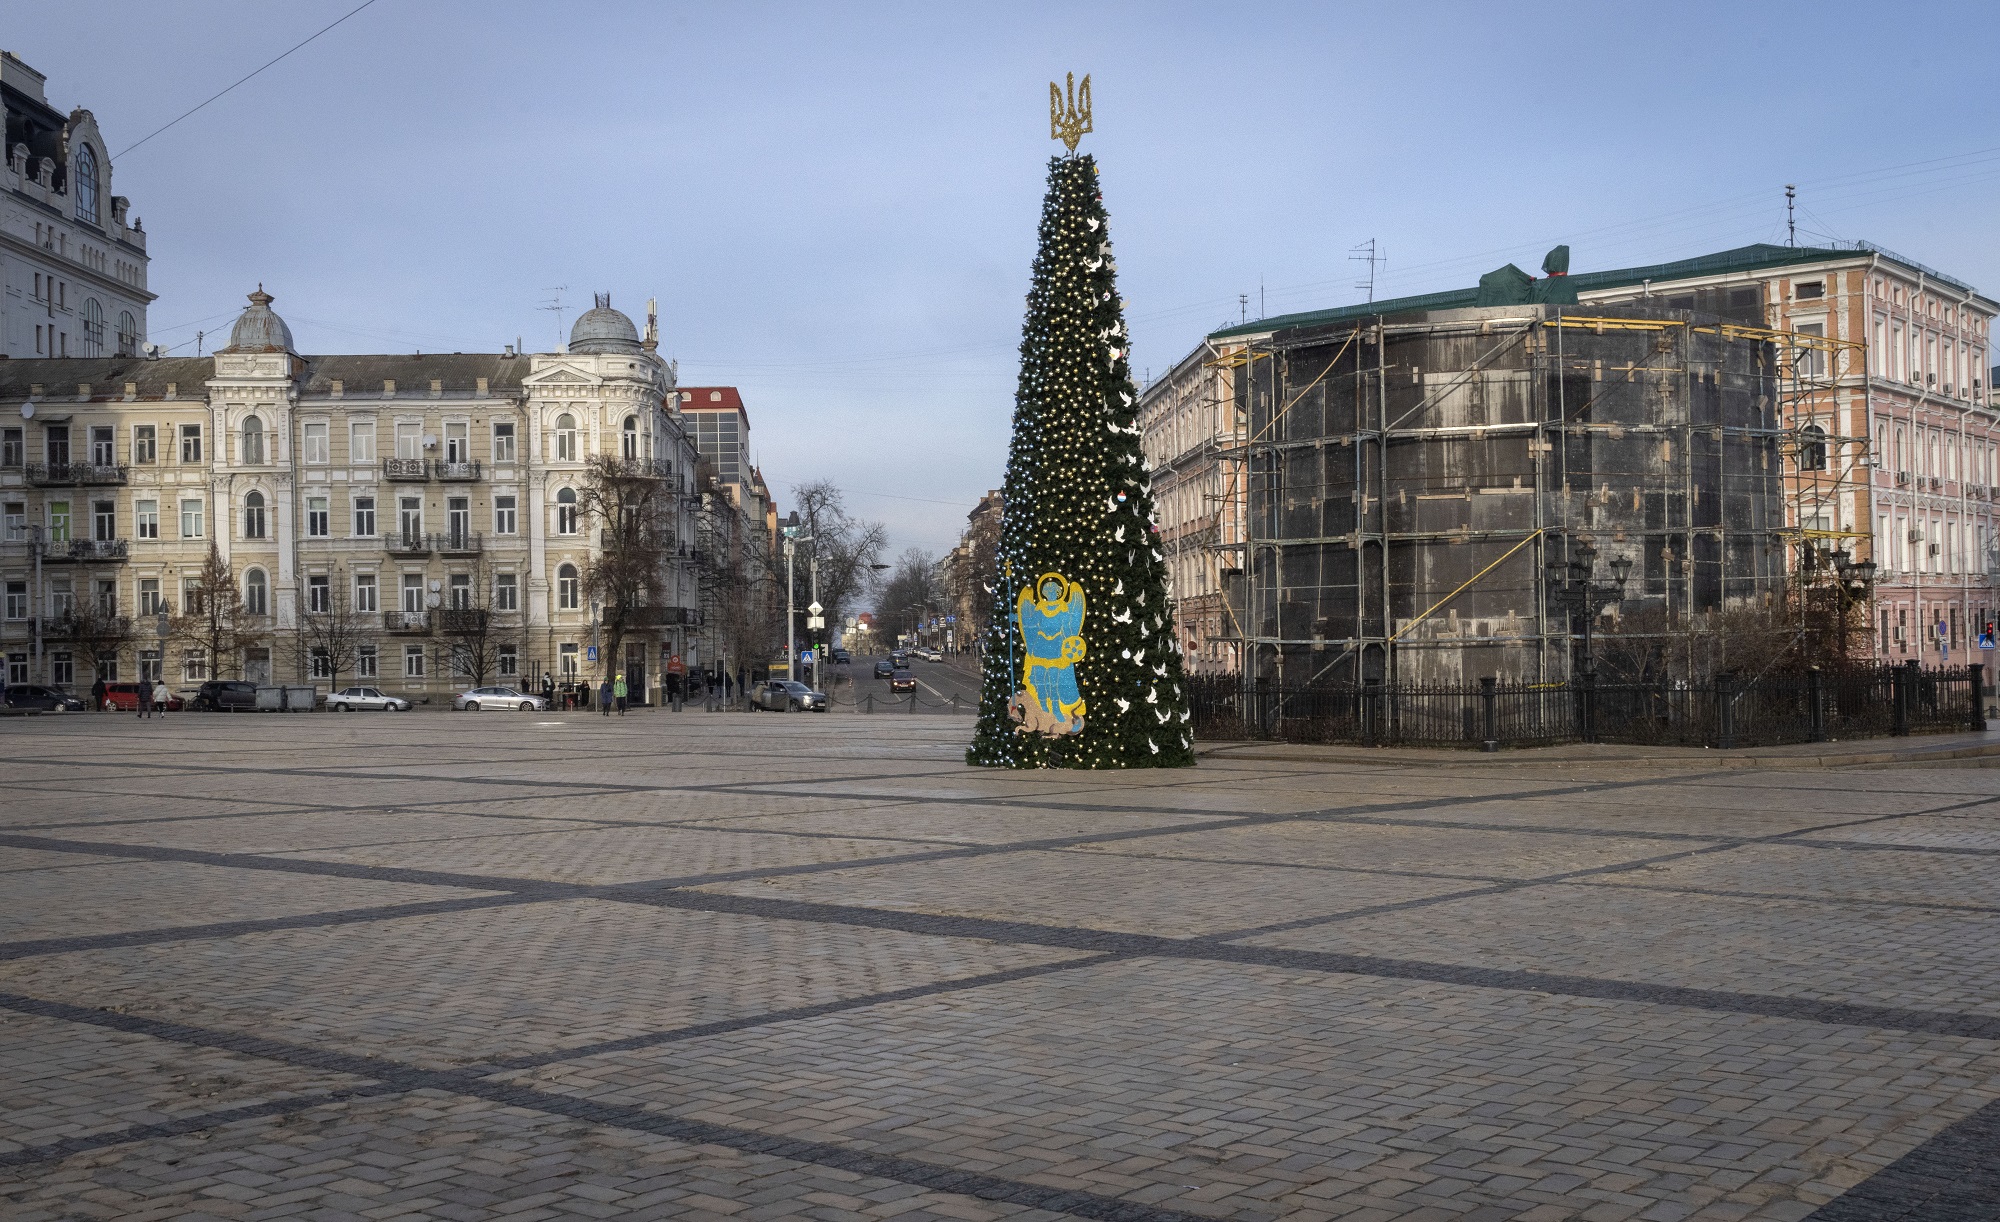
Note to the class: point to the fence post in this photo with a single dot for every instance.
(871, 703)
(1725, 699)
(1816, 692)
(1489, 700)
(1371, 712)
(1899, 699)
(1976, 674)
(1589, 705)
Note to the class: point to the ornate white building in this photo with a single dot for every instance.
(72, 269)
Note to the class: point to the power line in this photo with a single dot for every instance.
(149, 135)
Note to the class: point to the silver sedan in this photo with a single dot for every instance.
(497, 698)
(348, 699)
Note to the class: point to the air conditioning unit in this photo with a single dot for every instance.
(1916, 536)
(1934, 549)
(430, 441)
(1902, 479)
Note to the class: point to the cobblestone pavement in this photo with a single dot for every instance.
(756, 967)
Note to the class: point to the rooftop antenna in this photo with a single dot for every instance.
(1371, 259)
(1242, 307)
(1261, 312)
(555, 306)
(1791, 226)
(197, 341)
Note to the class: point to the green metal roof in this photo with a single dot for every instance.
(1760, 257)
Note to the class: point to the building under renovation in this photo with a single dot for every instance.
(1411, 476)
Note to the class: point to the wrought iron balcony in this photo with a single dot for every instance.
(51, 474)
(69, 627)
(657, 617)
(460, 543)
(407, 543)
(406, 468)
(458, 470)
(86, 551)
(465, 620)
(407, 623)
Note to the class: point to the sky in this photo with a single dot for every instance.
(835, 205)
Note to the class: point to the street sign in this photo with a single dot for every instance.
(951, 619)
(590, 653)
(815, 621)
(814, 609)
(1986, 639)
(805, 655)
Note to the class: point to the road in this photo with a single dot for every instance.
(941, 686)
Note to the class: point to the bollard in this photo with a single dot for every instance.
(1816, 692)
(1899, 697)
(1490, 699)
(1725, 720)
(1976, 677)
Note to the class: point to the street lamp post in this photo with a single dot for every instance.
(1853, 580)
(1571, 588)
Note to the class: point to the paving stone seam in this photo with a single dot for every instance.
(392, 1077)
(86, 1143)
(1953, 1177)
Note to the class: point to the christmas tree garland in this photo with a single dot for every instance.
(1082, 665)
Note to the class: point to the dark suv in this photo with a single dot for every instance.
(41, 698)
(226, 696)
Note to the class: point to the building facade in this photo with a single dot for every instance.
(968, 577)
(431, 507)
(739, 550)
(1194, 433)
(72, 259)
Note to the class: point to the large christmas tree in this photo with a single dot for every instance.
(1082, 666)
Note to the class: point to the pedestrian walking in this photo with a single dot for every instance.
(618, 691)
(604, 696)
(160, 696)
(97, 695)
(145, 699)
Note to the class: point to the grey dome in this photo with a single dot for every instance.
(604, 330)
(259, 329)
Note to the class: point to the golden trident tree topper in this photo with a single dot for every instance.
(1069, 118)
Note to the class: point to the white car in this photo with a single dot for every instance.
(348, 699)
(497, 698)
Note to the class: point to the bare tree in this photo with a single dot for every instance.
(98, 631)
(331, 632)
(210, 619)
(633, 502)
(910, 594)
(844, 550)
(475, 634)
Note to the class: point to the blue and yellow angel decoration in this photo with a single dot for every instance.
(1051, 618)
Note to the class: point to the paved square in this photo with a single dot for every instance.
(750, 967)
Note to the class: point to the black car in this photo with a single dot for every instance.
(40, 698)
(841, 657)
(884, 668)
(225, 696)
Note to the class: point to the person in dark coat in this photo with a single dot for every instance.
(145, 699)
(97, 695)
(604, 696)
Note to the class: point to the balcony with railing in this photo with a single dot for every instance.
(407, 623)
(460, 471)
(470, 621)
(72, 627)
(407, 543)
(656, 617)
(70, 474)
(86, 551)
(460, 543)
(416, 469)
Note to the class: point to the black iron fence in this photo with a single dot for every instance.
(1731, 711)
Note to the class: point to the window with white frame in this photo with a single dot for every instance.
(413, 661)
(503, 441)
(459, 591)
(253, 515)
(364, 517)
(14, 521)
(508, 662)
(568, 588)
(566, 661)
(145, 443)
(146, 519)
(319, 594)
(194, 666)
(17, 600)
(365, 663)
(365, 593)
(318, 517)
(565, 511)
(565, 438)
(505, 520)
(150, 602)
(409, 439)
(506, 592)
(62, 669)
(361, 441)
(256, 593)
(191, 443)
(322, 662)
(191, 519)
(317, 450)
(630, 441)
(250, 445)
(413, 593)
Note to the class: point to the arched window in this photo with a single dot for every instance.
(86, 184)
(93, 327)
(253, 515)
(568, 588)
(252, 453)
(256, 592)
(1902, 454)
(566, 511)
(1812, 448)
(631, 437)
(128, 334)
(565, 438)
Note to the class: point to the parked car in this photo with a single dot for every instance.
(841, 657)
(224, 696)
(884, 668)
(40, 698)
(125, 698)
(348, 699)
(788, 695)
(902, 681)
(497, 698)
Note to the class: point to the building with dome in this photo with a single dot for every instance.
(409, 522)
(72, 260)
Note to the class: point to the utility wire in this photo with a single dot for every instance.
(148, 136)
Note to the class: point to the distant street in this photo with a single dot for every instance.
(942, 687)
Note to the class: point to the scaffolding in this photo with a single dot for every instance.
(1408, 479)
